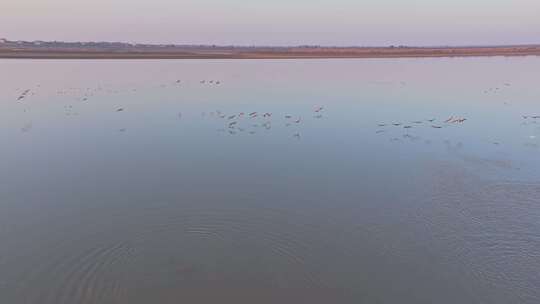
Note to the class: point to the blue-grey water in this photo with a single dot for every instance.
(356, 181)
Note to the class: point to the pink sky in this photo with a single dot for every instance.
(276, 22)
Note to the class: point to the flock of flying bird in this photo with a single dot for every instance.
(249, 122)
(235, 123)
(452, 120)
(252, 121)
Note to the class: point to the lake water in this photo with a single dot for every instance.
(142, 182)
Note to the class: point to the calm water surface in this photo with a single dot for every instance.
(142, 182)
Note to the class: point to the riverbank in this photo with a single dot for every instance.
(262, 52)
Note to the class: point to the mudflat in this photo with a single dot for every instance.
(210, 52)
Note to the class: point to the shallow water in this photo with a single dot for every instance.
(125, 181)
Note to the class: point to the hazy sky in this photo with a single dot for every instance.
(275, 22)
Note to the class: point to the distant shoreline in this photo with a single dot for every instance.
(208, 52)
